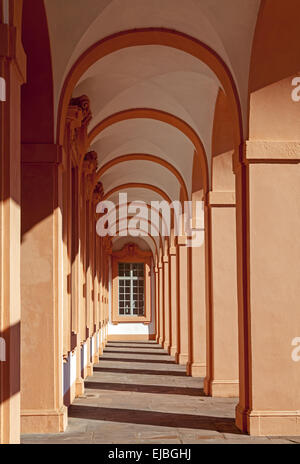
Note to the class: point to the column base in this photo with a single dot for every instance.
(268, 423)
(198, 369)
(173, 351)
(221, 388)
(183, 359)
(166, 346)
(188, 369)
(40, 422)
(96, 358)
(79, 387)
(161, 341)
(72, 393)
(89, 370)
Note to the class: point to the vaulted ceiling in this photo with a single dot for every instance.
(151, 76)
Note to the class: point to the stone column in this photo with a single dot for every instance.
(166, 303)
(97, 197)
(184, 301)
(161, 339)
(268, 192)
(174, 350)
(222, 315)
(13, 75)
(89, 306)
(77, 284)
(89, 167)
(156, 304)
(102, 296)
(198, 302)
(41, 291)
(76, 145)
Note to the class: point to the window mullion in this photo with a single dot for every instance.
(131, 289)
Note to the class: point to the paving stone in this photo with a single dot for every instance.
(139, 395)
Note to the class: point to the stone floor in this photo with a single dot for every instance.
(139, 395)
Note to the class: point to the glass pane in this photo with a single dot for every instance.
(127, 311)
(131, 289)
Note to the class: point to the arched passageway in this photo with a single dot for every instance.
(150, 199)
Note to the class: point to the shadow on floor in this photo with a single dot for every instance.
(129, 360)
(114, 370)
(162, 419)
(127, 347)
(136, 352)
(149, 343)
(145, 388)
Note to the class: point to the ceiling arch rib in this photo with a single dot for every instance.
(157, 77)
(133, 193)
(138, 186)
(163, 220)
(143, 227)
(145, 157)
(225, 27)
(152, 36)
(169, 119)
(147, 136)
(145, 172)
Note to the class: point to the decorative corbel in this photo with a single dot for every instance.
(89, 168)
(73, 123)
(98, 194)
(82, 104)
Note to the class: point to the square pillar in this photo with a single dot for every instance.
(268, 187)
(174, 350)
(42, 409)
(161, 339)
(184, 301)
(198, 302)
(222, 316)
(166, 303)
(13, 75)
(156, 304)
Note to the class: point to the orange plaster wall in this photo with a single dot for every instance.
(275, 61)
(222, 146)
(275, 285)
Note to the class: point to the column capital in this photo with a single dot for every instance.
(271, 150)
(182, 240)
(31, 153)
(172, 251)
(221, 199)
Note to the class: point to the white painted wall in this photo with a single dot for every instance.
(69, 372)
